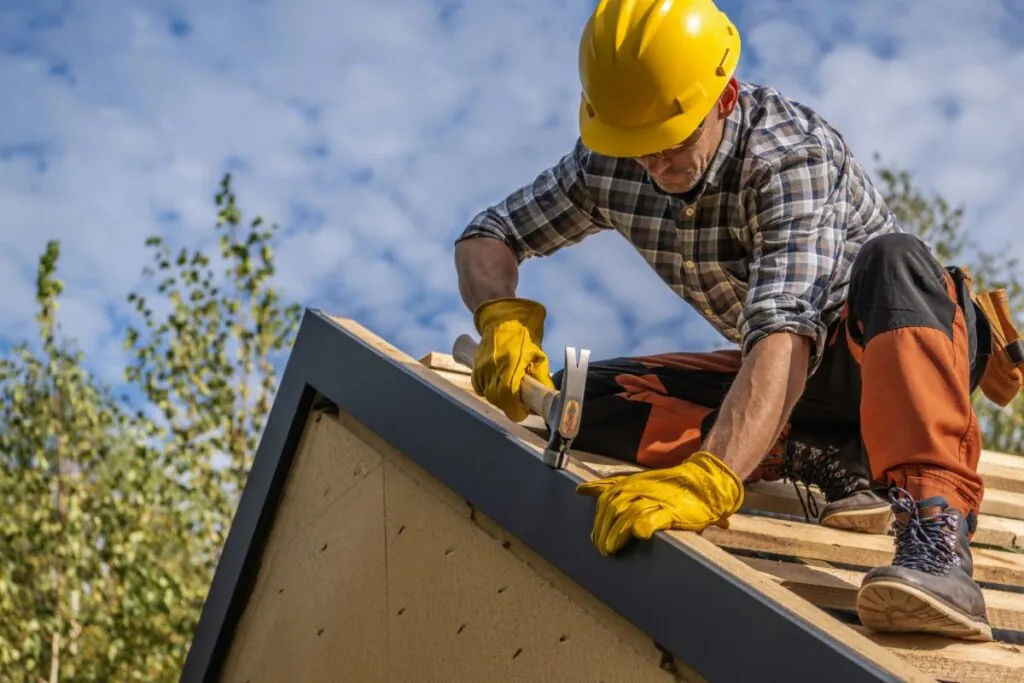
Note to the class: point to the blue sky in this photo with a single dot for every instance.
(373, 131)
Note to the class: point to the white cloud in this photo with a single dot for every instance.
(373, 132)
(17, 305)
(924, 84)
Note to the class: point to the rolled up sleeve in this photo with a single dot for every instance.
(797, 251)
(556, 210)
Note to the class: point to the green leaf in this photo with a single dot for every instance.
(115, 509)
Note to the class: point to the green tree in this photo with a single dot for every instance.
(942, 226)
(115, 510)
(206, 365)
(85, 589)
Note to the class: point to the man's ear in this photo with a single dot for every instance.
(730, 96)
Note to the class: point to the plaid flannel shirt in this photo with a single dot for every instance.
(765, 242)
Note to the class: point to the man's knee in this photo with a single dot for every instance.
(896, 255)
(897, 282)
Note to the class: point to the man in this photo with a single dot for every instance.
(851, 338)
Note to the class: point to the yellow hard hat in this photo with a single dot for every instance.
(651, 70)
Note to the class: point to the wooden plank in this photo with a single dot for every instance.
(1016, 526)
(1002, 459)
(1003, 503)
(833, 588)
(1000, 531)
(1002, 477)
(729, 564)
(768, 495)
(461, 380)
(444, 361)
(798, 539)
(954, 660)
(781, 498)
(1002, 471)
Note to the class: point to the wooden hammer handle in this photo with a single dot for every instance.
(537, 397)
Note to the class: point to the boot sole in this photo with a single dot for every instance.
(875, 520)
(894, 607)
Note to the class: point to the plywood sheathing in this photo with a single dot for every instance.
(318, 608)
(375, 572)
(833, 588)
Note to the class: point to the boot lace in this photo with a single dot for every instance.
(926, 544)
(810, 465)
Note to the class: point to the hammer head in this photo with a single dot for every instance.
(564, 419)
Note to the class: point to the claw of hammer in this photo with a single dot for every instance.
(561, 410)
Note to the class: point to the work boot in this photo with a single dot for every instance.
(838, 468)
(929, 587)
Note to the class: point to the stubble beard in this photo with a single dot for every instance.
(684, 182)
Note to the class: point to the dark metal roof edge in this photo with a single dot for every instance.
(720, 626)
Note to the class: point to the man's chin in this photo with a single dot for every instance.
(675, 184)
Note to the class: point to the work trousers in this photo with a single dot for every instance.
(897, 373)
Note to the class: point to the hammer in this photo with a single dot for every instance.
(561, 410)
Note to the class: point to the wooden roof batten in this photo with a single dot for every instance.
(763, 600)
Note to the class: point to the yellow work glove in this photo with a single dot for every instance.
(511, 333)
(690, 496)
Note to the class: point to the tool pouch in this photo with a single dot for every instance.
(1003, 377)
(1004, 373)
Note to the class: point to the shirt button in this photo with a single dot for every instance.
(689, 211)
(689, 264)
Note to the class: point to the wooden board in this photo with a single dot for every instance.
(798, 539)
(1002, 503)
(782, 498)
(834, 588)
(1002, 460)
(957, 661)
(1002, 477)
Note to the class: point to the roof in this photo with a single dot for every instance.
(766, 598)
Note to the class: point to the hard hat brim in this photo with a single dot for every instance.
(639, 140)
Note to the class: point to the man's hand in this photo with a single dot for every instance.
(691, 496)
(511, 332)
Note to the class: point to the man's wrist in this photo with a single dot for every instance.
(718, 476)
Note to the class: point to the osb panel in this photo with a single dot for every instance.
(393, 579)
(463, 608)
(318, 609)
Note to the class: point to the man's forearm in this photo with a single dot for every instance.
(760, 401)
(487, 269)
